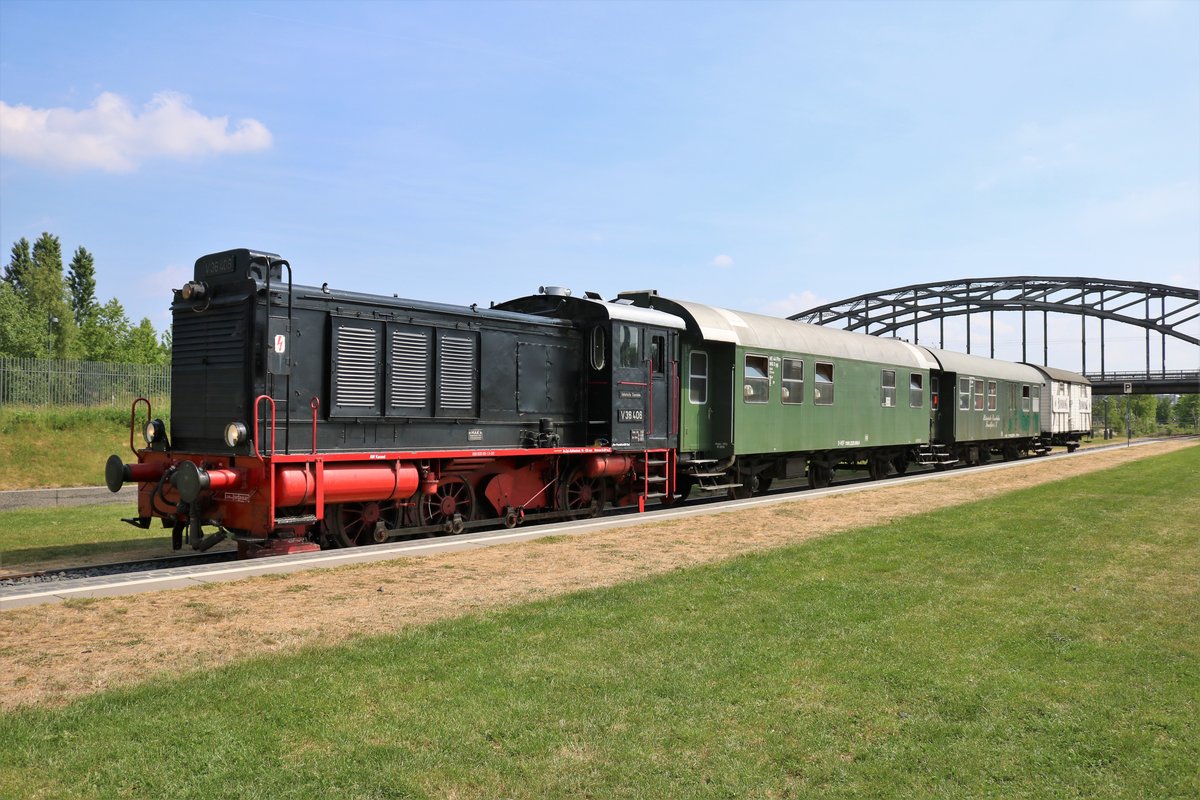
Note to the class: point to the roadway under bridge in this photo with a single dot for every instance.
(1162, 312)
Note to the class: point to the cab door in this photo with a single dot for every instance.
(660, 366)
(631, 386)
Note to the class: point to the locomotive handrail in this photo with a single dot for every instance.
(133, 417)
(314, 404)
(267, 348)
(254, 437)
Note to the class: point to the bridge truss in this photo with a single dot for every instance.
(1162, 311)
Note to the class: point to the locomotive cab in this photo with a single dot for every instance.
(632, 371)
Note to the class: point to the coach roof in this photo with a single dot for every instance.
(981, 367)
(772, 333)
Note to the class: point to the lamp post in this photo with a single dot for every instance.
(49, 354)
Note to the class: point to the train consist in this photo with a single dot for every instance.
(305, 416)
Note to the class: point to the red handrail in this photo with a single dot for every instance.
(254, 437)
(133, 417)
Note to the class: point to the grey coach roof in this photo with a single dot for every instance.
(771, 333)
(1061, 374)
(979, 366)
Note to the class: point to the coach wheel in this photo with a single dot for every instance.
(1011, 453)
(877, 468)
(819, 476)
(453, 496)
(760, 484)
(900, 464)
(985, 455)
(581, 494)
(353, 524)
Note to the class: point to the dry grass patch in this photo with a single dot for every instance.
(49, 650)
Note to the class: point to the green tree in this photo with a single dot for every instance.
(46, 295)
(19, 265)
(81, 283)
(20, 336)
(141, 345)
(106, 332)
(1186, 412)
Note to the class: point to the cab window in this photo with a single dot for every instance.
(658, 344)
(627, 345)
(598, 347)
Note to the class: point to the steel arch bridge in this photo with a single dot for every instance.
(1160, 310)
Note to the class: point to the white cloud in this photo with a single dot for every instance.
(722, 262)
(793, 304)
(112, 136)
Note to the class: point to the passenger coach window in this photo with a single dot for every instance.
(916, 389)
(887, 388)
(991, 396)
(978, 394)
(628, 345)
(935, 391)
(758, 384)
(1037, 398)
(1025, 399)
(698, 378)
(793, 381)
(964, 394)
(823, 388)
(597, 347)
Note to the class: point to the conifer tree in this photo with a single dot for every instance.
(81, 283)
(19, 264)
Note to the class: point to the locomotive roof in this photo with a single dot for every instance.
(758, 330)
(964, 364)
(569, 307)
(1054, 373)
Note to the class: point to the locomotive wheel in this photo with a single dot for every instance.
(819, 476)
(579, 493)
(453, 496)
(353, 524)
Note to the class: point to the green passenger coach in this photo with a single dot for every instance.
(984, 407)
(765, 398)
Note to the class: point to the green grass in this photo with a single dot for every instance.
(41, 534)
(46, 447)
(1041, 644)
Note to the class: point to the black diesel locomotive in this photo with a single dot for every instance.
(305, 416)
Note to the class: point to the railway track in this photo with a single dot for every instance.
(194, 568)
(114, 568)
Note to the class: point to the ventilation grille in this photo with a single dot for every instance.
(357, 367)
(410, 369)
(456, 377)
(215, 338)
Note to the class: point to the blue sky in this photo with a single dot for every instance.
(763, 156)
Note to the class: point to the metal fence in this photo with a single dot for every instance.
(55, 382)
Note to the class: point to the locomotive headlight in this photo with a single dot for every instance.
(193, 290)
(235, 434)
(155, 431)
